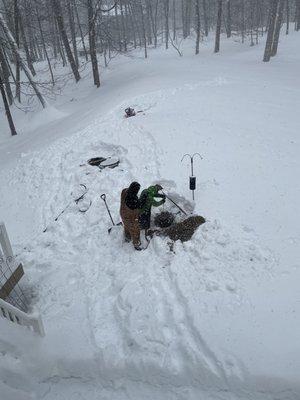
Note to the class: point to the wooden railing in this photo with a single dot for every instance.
(14, 315)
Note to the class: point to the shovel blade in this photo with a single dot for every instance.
(110, 229)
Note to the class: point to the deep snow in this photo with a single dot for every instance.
(219, 319)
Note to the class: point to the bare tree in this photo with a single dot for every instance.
(205, 17)
(218, 27)
(6, 107)
(17, 55)
(92, 42)
(166, 4)
(61, 26)
(228, 18)
(297, 16)
(198, 25)
(277, 28)
(271, 30)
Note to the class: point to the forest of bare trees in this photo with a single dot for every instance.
(74, 33)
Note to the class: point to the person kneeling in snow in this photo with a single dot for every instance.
(129, 211)
(147, 201)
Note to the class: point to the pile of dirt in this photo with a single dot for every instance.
(182, 230)
(164, 219)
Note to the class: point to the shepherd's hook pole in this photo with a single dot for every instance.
(192, 177)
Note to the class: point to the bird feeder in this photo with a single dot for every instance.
(192, 182)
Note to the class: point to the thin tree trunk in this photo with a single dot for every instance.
(44, 46)
(252, 23)
(205, 17)
(143, 29)
(277, 28)
(174, 20)
(72, 30)
(5, 74)
(61, 26)
(149, 30)
(118, 26)
(16, 52)
(80, 30)
(218, 27)
(7, 110)
(133, 25)
(287, 17)
(92, 43)
(123, 26)
(17, 38)
(270, 37)
(228, 21)
(166, 9)
(243, 20)
(198, 26)
(24, 40)
(297, 16)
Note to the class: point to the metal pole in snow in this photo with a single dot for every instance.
(192, 177)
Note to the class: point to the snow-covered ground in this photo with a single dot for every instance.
(218, 319)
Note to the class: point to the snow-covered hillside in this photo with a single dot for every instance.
(218, 318)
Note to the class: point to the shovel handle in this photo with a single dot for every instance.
(172, 201)
(103, 197)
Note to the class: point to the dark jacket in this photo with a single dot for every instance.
(131, 198)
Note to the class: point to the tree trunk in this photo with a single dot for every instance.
(287, 17)
(277, 28)
(218, 27)
(297, 16)
(92, 43)
(198, 26)
(143, 29)
(228, 21)
(270, 37)
(80, 30)
(166, 10)
(73, 31)
(243, 20)
(174, 20)
(44, 46)
(61, 26)
(5, 74)
(16, 52)
(123, 26)
(17, 38)
(24, 40)
(205, 17)
(7, 110)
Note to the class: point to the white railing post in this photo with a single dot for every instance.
(17, 316)
(4, 241)
(8, 311)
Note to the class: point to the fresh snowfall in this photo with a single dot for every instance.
(213, 318)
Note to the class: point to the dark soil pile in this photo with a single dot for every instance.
(183, 230)
(164, 219)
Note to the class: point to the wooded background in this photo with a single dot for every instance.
(75, 33)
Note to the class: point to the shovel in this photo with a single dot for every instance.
(175, 204)
(103, 197)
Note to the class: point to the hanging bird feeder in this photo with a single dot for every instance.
(192, 177)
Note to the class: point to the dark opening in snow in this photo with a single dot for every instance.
(101, 162)
(164, 219)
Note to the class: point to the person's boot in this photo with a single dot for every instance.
(138, 247)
